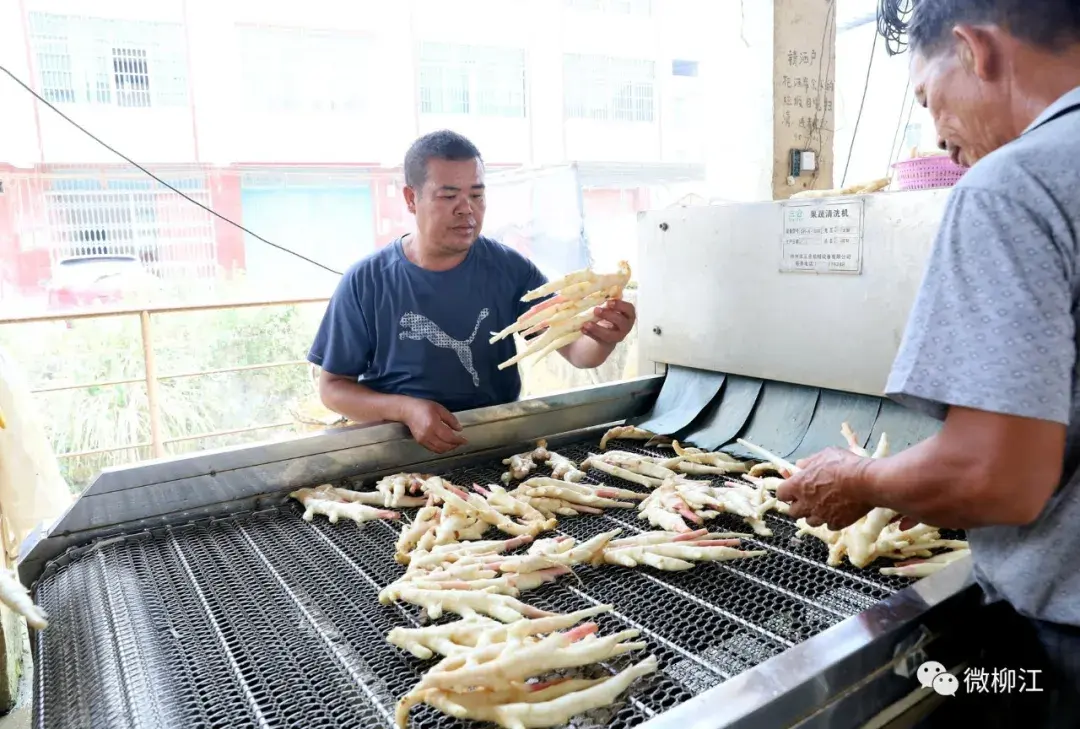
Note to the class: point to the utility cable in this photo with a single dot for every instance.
(892, 24)
(150, 174)
(858, 118)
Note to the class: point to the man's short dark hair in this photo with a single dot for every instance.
(1049, 24)
(443, 144)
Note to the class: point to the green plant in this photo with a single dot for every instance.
(109, 349)
(118, 415)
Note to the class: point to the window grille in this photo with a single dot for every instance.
(474, 80)
(125, 63)
(127, 216)
(601, 88)
(612, 7)
(304, 70)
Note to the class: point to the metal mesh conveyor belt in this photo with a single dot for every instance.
(263, 619)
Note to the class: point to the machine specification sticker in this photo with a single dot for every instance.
(822, 237)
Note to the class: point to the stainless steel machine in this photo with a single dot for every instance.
(188, 592)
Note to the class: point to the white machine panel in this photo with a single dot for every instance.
(812, 292)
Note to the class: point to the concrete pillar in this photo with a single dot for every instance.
(12, 636)
(20, 136)
(771, 76)
(804, 71)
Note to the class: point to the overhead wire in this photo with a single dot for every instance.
(892, 24)
(162, 182)
(894, 151)
(910, 110)
(862, 104)
(823, 70)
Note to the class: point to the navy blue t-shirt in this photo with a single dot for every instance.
(404, 330)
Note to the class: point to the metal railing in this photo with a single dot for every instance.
(151, 378)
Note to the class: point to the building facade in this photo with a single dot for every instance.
(292, 118)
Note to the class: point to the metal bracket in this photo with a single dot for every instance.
(911, 652)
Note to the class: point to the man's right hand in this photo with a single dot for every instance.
(432, 425)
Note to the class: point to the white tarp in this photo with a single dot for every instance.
(538, 212)
(32, 489)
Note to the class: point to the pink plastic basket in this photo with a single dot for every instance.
(924, 173)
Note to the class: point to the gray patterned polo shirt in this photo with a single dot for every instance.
(994, 328)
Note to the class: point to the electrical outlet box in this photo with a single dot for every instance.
(801, 161)
(796, 163)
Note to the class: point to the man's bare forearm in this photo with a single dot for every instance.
(587, 353)
(979, 470)
(925, 483)
(359, 403)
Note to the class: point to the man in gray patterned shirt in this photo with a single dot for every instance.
(991, 343)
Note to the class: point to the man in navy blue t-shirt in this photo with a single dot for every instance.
(405, 337)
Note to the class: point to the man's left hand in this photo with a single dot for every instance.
(826, 489)
(614, 320)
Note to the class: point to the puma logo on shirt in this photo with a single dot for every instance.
(364, 334)
(417, 327)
